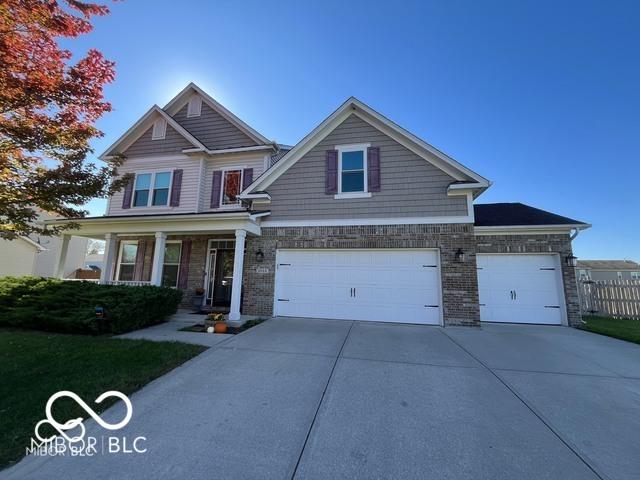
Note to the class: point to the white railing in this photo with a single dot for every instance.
(129, 283)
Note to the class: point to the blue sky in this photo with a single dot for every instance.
(541, 97)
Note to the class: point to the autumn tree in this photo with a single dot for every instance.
(48, 108)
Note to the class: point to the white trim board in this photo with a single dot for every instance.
(355, 107)
(366, 221)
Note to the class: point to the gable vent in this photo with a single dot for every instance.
(194, 107)
(159, 129)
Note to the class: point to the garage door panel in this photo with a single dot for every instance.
(519, 288)
(390, 285)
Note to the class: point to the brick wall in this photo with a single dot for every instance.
(556, 243)
(459, 280)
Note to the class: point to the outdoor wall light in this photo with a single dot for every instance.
(572, 260)
(460, 255)
(259, 256)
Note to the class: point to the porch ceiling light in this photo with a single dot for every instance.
(460, 255)
(572, 260)
(259, 256)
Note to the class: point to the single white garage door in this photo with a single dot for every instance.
(520, 289)
(378, 285)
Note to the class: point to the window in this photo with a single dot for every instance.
(171, 265)
(127, 260)
(352, 171)
(144, 195)
(232, 186)
(194, 107)
(141, 193)
(161, 188)
(159, 129)
(635, 275)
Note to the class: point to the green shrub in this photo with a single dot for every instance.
(69, 307)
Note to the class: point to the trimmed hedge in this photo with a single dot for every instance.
(69, 307)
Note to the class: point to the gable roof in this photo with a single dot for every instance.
(141, 126)
(353, 106)
(617, 265)
(519, 214)
(177, 102)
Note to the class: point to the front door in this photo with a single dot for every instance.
(222, 277)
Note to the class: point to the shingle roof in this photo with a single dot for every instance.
(516, 214)
(617, 265)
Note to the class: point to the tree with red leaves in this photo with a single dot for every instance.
(48, 108)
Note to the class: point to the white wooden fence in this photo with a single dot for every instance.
(614, 298)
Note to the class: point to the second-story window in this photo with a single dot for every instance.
(152, 189)
(161, 188)
(232, 185)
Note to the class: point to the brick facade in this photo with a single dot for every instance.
(459, 280)
(560, 244)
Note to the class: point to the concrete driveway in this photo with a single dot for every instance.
(296, 398)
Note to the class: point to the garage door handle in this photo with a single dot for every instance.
(551, 306)
(432, 306)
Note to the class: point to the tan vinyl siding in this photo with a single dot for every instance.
(410, 186)
(213, 130)
(188, 192)
(173, 142)
(230, 162)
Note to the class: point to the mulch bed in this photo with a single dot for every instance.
(200, 328)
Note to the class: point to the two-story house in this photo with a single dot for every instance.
(359, 220)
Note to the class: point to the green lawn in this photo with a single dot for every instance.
(614, 327)
(35, 365)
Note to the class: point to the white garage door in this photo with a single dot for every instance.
(378, 285)
(520, 289)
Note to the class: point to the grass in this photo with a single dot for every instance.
(35, 365)
(624, 329)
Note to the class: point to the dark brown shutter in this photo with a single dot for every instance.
(128, 193)
(183, 274)
(331, 176)
(373, 168)
(247, 177)
(176, 186)
(138, 269)
(216, 185)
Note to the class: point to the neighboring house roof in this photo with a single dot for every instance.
(181, 98)
(615, 265)
(141, 126)
(353, 106)
(518, 214)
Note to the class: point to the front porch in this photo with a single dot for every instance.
(202, 255)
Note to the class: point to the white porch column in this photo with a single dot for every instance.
(158, 258)
(62, 257)
(236, 287)
(110, 244)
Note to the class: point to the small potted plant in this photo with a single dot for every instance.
(196, 301)
(218, 321)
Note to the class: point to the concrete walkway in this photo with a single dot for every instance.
(320, 399)
(170, 331)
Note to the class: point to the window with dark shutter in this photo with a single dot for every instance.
(216, 184)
